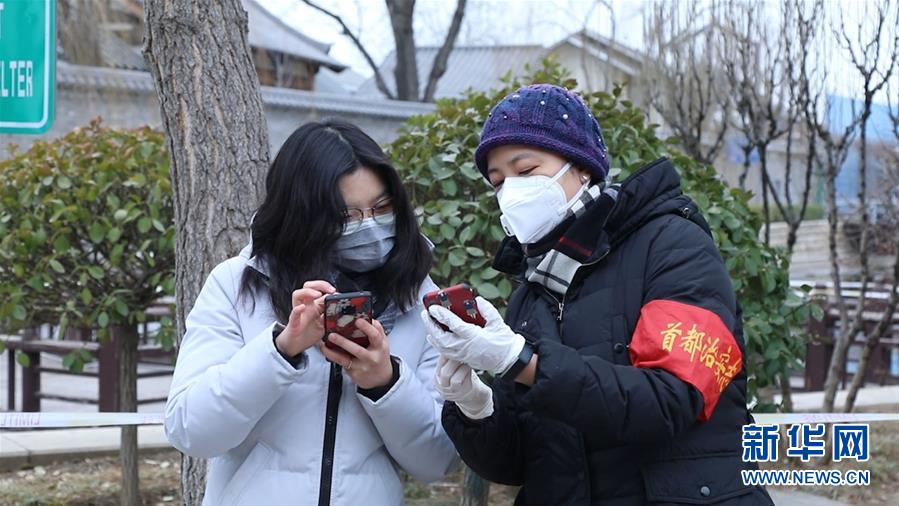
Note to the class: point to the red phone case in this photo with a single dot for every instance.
(460, 299)
(341, 312)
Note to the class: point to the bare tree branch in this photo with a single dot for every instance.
(438, 68)
(406, 70)
(865, 56)
(755, 64)
(379, 79)
(682, 78)
(808, 65)
(867, 65)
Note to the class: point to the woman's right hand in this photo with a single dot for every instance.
(305, 327)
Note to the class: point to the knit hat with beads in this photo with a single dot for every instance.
(547, 117)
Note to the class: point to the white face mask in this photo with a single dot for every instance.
(533, 205)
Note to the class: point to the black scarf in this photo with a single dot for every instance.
(383, 309)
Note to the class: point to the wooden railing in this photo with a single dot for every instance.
(106, 354)
(883, 367)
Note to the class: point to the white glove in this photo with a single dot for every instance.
(494, 348)
(458, 383)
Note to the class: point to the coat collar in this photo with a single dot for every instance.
(649, 192)
(256, 263)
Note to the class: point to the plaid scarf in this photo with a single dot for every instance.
(556, 267)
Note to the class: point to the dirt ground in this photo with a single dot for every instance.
(883, 464)
(92, 481)
(95, 481)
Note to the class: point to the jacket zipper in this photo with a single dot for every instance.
(561, 303)
(335, 386)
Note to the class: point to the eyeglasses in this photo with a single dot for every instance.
(381, 213)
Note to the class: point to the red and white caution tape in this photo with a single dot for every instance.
(49, 419)
(800, 418)
(58, 420)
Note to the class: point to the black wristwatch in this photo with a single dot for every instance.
(524, 358)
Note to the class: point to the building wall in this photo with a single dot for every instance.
(272, 66)
(592, 74)
(729, 165)
(127, 99)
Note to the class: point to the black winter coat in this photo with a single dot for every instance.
(594, 429)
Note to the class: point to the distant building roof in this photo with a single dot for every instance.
(117, 53)
(483, 67)
(79, 77)
(344, 83)
(269, 32)
(605, 49)
(479, 67)
(266, 32)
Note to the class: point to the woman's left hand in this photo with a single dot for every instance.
(367, 367)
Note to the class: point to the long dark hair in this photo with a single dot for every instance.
(302, 217)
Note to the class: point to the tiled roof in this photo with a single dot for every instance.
(266, 32)
(94, 78)
(269, 32)
(480, 67)
(344, 83)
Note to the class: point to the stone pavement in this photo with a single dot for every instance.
(796, 498)
(34, 447)
(871, 395)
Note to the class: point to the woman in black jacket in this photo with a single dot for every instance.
(619, 377)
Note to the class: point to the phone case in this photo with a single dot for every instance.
(341, 312)
(460, 299)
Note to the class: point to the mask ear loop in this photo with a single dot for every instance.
(561, 173)
(585, 179)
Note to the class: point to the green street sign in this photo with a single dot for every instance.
(27, 65)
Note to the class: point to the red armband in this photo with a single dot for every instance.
(691, 343)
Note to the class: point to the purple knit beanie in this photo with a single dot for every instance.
(547, 117)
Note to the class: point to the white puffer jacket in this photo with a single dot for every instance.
(262, 422)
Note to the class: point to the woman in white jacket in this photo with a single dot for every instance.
(284, 419)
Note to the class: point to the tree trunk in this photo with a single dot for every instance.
(766, 208)
(747, 152)
(406, 71)
(786, 392)
(882, 329)
(837, 367)
(438, 68)
(125, 338)
(871, 341)
(475, 489)
(810, 159)
(217, 136)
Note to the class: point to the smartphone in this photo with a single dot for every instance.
(460, 299)
(341, 312)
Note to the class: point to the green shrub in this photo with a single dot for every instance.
(458, 211)
(86, 231)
